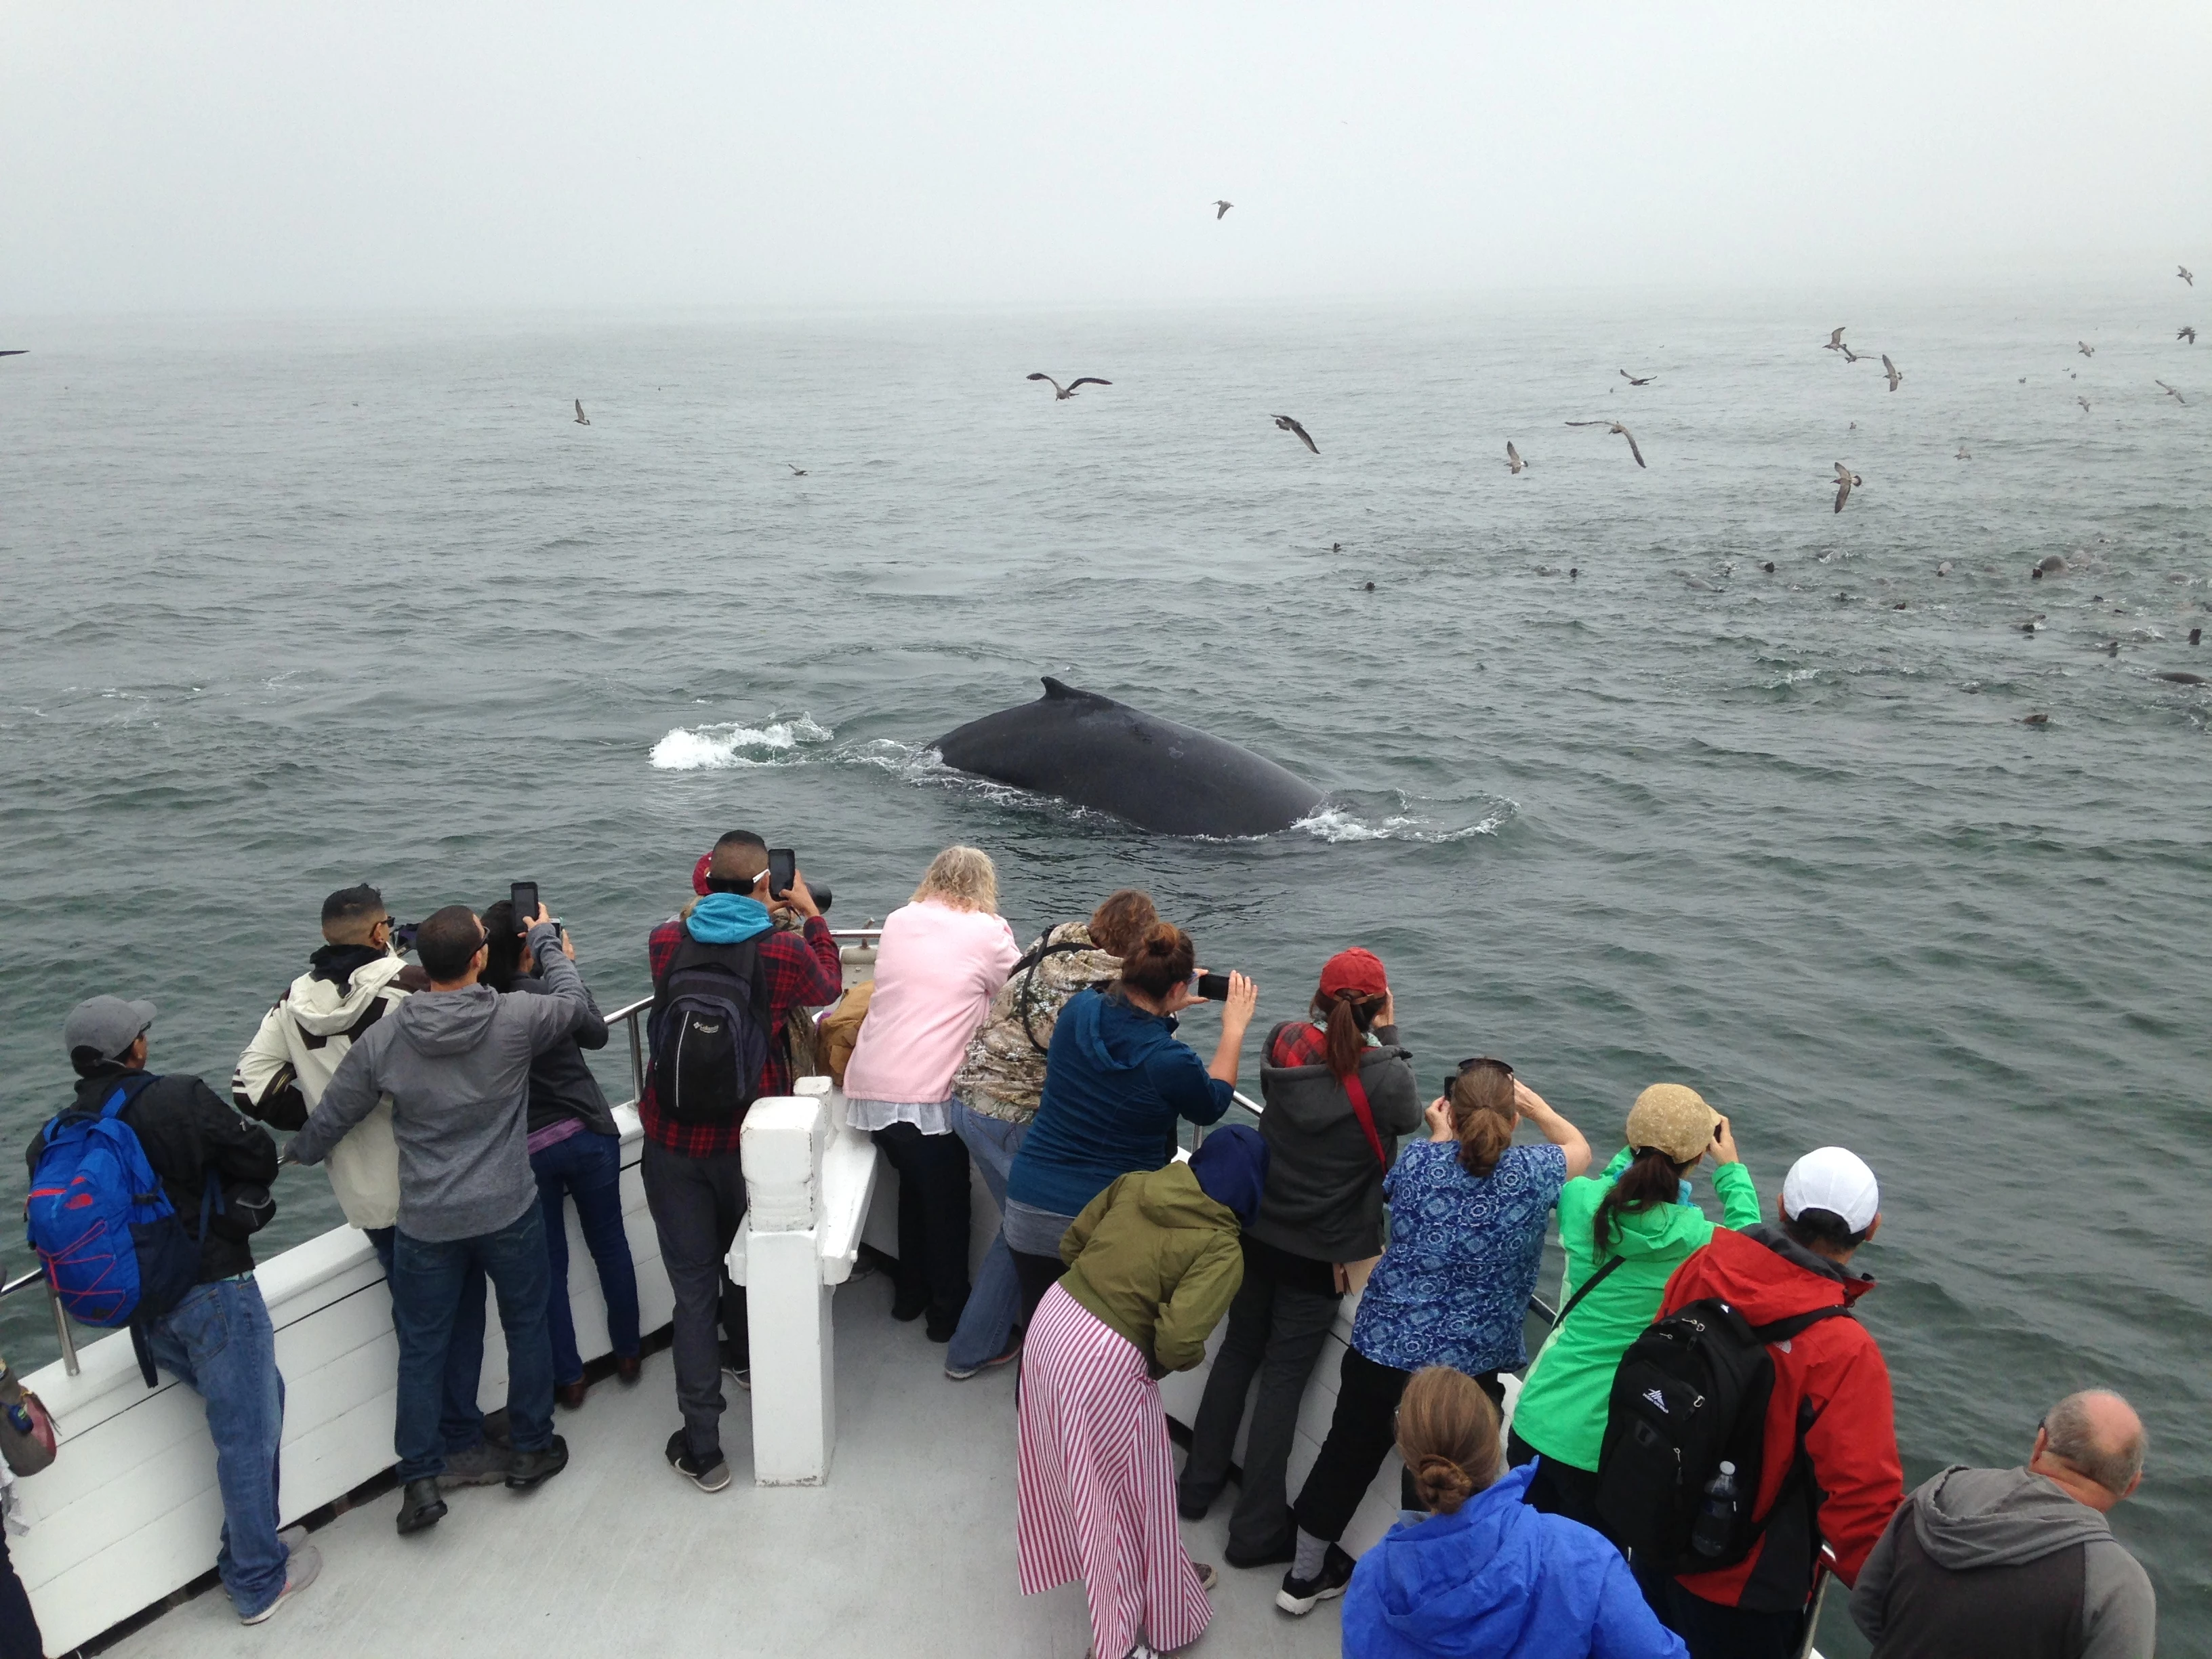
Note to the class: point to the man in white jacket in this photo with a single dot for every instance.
(353, 980)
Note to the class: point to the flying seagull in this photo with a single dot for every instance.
(1615, 426)
(1303, 436)
(1514, 464)
(2186, 274)
(582, 419)
(1846, 481)
(1835, 340)
(796, 471)
(2170, 391)
(1633, 380)
(2084, 402)
(1062, 393)
(2085, 348)
(1850, 356)
(1963, 454)
(2188, 332)
(1221, 211)
(1891, 369)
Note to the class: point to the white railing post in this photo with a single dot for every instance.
(794, 1392)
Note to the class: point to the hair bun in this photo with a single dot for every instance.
(1441, 1483)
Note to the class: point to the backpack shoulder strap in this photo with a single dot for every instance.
(1365, 1114)
(1027, 966)
(1587, 1286)
(1783, 1329)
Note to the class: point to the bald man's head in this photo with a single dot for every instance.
(2097, 1435)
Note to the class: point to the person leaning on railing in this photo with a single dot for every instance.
(1116, 1082)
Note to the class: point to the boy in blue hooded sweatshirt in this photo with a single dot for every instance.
(1481, 1574)
(1116, 1080)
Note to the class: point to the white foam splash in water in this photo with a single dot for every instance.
(711, 748)
(1334, 822)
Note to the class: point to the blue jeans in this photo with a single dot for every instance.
(986, 1324)
(589, 1167)
(461, 1421)
(219, 1343)
(426, 1280)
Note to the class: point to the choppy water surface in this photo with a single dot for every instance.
(289, 606)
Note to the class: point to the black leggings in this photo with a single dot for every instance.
(932, 1220)
(1363, 1432)
(1037, 1274)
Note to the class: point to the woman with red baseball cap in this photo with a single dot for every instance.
(1339, 1092)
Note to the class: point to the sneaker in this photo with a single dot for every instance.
(481, 1465)
(740, 1374)
(420, 1506)
(961, 1373)
(526, 1469)
(1302, 1595)
(712, 1478)
(1207, 1578)
(298, 1572)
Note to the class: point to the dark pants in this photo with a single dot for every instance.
(932, 1223)
(589, 1167)
(1558, 1488)
(1710, 1631)
(698, 1204)
(428, 1277)
(1277, 1328)
(1363, 1432)
(460, 1423)
(19, 1625)
(1037, 1274)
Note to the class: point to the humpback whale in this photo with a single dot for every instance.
(1150, 772)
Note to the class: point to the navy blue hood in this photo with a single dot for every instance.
(1231, 1167)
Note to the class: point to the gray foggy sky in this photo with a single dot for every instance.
(305, 156)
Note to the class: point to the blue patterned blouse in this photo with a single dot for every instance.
(1454, 1285)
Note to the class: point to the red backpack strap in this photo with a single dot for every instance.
(1365, 1114)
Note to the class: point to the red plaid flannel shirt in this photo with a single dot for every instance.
(1297, 1043)
(802, 970)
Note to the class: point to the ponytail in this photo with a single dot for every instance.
(1345, 1023)
(1481, 1100)
(1653, 1179)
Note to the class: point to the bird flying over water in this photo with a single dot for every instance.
(1846, 481)
(1633, 380)
(1305, 437)
(797, 472)
(1062, 393)
(582, 419)
(2085, 348)
(1835, 340)
(1514, 464)
(1891, 369)
(1963, 454)
(1850, 356)
(2188, 331)
(2084, 402)
(2170, 391)
(1615, 426)
(2186, 274)
(1221, 211)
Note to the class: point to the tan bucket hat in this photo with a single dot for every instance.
(1674, 1119)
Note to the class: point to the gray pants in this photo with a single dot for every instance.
(1276, 1330)
(698, 1204)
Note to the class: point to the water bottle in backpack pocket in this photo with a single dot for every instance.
(116, 1252)
(710, 1031)
(1689, 1401)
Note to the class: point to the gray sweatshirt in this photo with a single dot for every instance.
(456, 1067)
(2002, 1562)
(1324, 1195)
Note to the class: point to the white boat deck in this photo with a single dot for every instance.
(908, 1549)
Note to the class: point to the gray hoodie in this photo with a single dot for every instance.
(1324, 1195)
(456, 1067)
(1966, 1567)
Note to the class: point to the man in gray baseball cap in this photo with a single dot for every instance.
(104, 1028)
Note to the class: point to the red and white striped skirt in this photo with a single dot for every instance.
(1098, 1485)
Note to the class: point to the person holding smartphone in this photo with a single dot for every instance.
(1117, 1081)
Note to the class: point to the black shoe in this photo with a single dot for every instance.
(940, 1330)
(534, 1468)
(905, 1308)
(1275, 1556)
(494, 1426)
(1194, 1509)
(708, 1477)
(420, 1506)
(1302, 1595)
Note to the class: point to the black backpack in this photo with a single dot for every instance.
(709, 1028)
(1692, 1393)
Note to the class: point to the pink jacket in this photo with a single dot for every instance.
(937, 969)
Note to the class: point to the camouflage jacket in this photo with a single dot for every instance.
(1004, 1072)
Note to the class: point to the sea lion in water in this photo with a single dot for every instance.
(2194, 634)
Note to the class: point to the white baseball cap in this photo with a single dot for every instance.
(1836, 1180)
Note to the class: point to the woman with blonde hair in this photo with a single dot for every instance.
(941, 959)
(1476, 1573)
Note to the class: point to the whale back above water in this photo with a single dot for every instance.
(1153, 773)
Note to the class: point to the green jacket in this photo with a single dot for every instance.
(1157, 1260)
(1562, 1409)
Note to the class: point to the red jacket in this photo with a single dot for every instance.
(1833, 1372)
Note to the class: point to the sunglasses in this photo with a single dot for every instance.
(1467, 1065)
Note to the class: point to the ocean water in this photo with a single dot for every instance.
(290, 604)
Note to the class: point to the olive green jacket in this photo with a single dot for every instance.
(1158, 1261)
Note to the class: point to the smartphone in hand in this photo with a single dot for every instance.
(1210, 987)
(783, 871)
(523, 895)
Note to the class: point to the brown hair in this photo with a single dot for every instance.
(1121, 920)
(1482, 1115)
(1447, 1434)
(1344, 1017)
(1652, 1179)
(1159, 961)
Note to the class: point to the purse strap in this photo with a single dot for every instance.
(1587, 1286)
(1365, 1114)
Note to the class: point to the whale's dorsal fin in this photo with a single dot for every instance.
(1061, 691)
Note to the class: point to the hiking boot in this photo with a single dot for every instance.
(481, 1465)
(534, 1468)
(420, 1506)
(298, 1572)
(708, 1477)
(1302, 1595)
(961, 1373)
